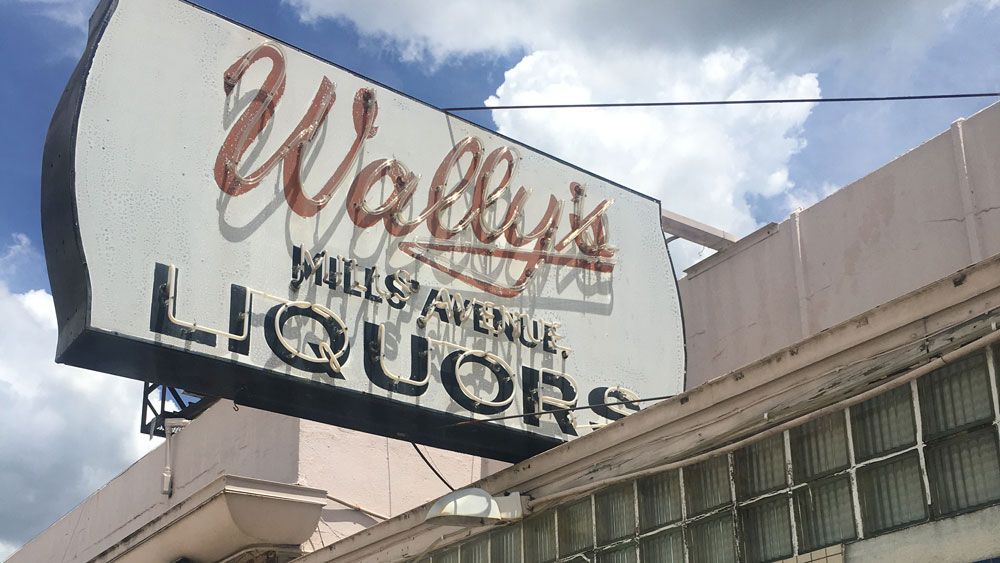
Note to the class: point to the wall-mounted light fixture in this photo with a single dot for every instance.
(474, 506)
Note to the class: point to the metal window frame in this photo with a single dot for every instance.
(734, 505)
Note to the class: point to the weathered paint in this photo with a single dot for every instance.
(229, 215)
(819, 371)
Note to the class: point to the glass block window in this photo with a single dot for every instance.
(707, 484)
(766, 530)
(824, 513)
(760, 467)
(883, 424)
(892, 493)
(623, 554)
(964, 471)
(712, 539)
(448, 556)
(476, 551)
(819, 447)
(576, 527)
(505, 544)
(615, 514)
(956, 396)
(664, 547)
(540, 537)
(692, 515)
(659, 500)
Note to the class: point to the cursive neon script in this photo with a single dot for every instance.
(488, 176)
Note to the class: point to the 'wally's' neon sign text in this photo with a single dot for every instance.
(488, 176)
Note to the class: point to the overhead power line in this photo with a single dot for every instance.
(431, 465)
(733, 102)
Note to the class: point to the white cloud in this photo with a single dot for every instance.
(955, 10)
(701, 162)
(6, 549)
(420, 31)
(21, 264)
(802, 199)
(65, 431)
(71, 13)
(15, 252)
(71, 20)
(785, 33)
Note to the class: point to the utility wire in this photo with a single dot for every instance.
(552, 411)
(663, 397)
(732, 102)
(431, 465)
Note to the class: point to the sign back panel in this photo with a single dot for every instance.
(227, 214)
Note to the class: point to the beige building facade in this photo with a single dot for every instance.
(841, 405)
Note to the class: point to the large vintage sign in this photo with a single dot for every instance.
(230, 215)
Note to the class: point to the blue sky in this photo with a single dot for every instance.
(41, 42)
(736, 168)
(941, 46)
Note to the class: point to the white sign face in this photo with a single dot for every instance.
(230, 215)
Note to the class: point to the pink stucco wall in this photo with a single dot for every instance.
(916, 220)
(919, 218)
(381, 475)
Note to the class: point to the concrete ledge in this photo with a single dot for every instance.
(968, 537)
